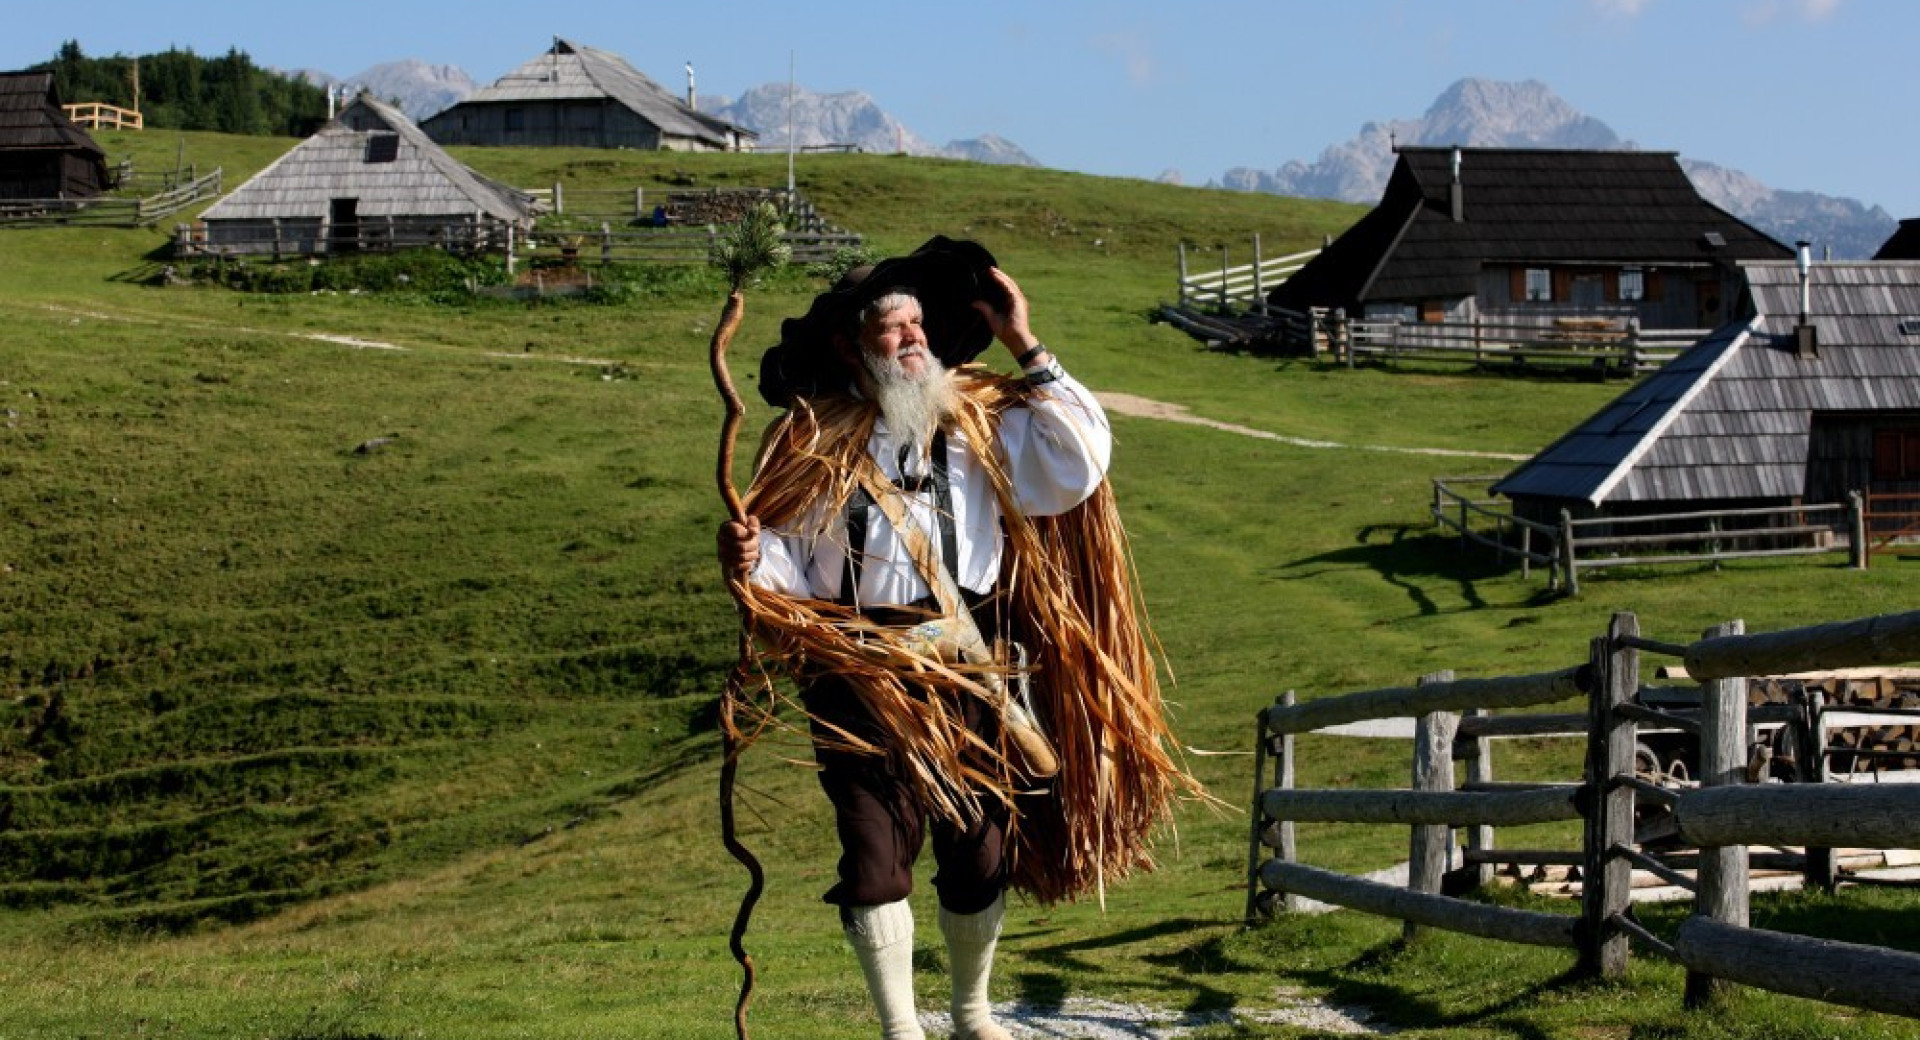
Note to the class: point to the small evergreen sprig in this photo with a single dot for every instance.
(750, 245)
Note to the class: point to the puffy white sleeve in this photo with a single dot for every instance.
(786, 560)
(1056, 448)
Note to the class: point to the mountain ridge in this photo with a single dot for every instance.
(1480, 113)
(1472, 112)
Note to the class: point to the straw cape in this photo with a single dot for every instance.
(1071, 600)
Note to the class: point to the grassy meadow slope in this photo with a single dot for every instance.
(359, 651)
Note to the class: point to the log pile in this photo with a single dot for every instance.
(1886, 746)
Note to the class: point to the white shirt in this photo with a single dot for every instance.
(1055, 450)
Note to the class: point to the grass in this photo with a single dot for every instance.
(302, 740)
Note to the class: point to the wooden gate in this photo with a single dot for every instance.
(1892, 522)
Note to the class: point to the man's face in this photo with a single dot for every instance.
(896, 336)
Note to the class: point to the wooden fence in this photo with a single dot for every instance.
(1720, 818)
(1242, 285)
(666, 207)
(1594, 543)
(110, 210)
(1602, 345)
(95, 115)
(668, 245)
(1891, 523)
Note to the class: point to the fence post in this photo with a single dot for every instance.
(1183, 273)
(1568, 560)
(509, 250)
(1342, 337)
(1281, 750)
(559, 199)
(1607, 889)
(1259, 292)
(1526, 552)
(606, 243)
(1722, 895)
(1223, 276)
(1432, 771)
(639, 202)
(1633, 346)
(1480, 771)
(1823, 866)
(1857, 522)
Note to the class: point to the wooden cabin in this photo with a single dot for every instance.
(43, 155)
(1531, 238)
(1904, 244)
(574, 96)
(369, 179)
(1758, 413)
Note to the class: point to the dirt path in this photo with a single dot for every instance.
(1147, 408)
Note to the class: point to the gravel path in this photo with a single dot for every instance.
(1080, 1018)
(1147, 408)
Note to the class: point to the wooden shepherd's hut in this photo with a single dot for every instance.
(43, 155)
(1531, 237)
(369, 179)
(579, 97)
(1815, 396)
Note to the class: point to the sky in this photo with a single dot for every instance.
(1806, 95)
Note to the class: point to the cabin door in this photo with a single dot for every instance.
(1709, 310)
(343, 226)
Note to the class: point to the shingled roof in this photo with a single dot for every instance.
(31, 116)
(571, 72)
(415, 178)
(1731, 417)
(1519, 205)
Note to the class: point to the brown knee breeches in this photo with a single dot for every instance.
(882, 826)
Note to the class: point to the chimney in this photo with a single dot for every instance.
(1806, 337)
(1456, 197)
(692, 98)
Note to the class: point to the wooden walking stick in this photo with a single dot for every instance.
(749, 246)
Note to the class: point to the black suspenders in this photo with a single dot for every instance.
(859, 504)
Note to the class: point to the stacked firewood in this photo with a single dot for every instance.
(1891, 746)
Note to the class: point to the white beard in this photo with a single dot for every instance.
(914, 406)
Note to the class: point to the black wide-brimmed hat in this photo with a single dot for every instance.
(946, 275)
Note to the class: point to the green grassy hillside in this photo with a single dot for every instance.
(359, 651)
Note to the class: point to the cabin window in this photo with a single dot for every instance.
(1539, 285)
(1896, 454)
(1433, 311)
(383, 148)
(1633, 284)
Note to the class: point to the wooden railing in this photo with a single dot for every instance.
(1609, 347)
(1892, 522)
(1728, 812)
(97, 116)
(109, 210)
(1595, 543)
(686, 245)
(1238, 285)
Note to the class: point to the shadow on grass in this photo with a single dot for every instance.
(1413, 558)
(1407, 1011)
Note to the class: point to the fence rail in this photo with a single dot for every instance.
(1572, 546)
(96, 115)
(109, 210)
(1892, 522)
(1242, 284)
(1721, 818)
(1605, 345)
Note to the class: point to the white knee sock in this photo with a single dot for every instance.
(970, 942)
(882, 937)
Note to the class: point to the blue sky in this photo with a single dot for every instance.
(1816, 95)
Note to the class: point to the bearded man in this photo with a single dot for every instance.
(910, 511)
